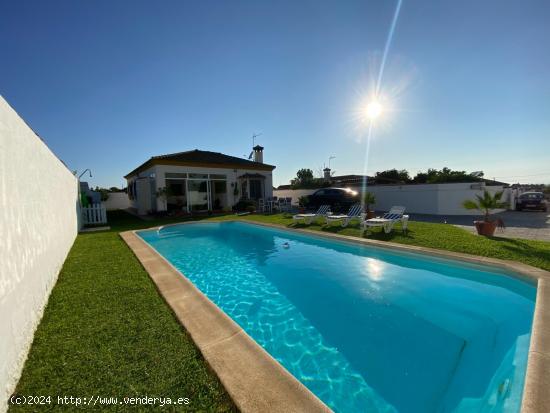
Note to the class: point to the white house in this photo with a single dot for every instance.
(198, 181)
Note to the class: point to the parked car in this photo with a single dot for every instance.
(339, 199)
(531, 200)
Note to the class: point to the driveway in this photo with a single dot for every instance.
(524, 224)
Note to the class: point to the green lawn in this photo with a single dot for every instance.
(107, 332)
(440, 236)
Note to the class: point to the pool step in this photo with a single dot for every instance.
(506, 387)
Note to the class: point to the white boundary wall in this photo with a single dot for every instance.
(438, 199)
(117, 200)
(38, 225)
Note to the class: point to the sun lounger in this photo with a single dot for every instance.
(388, 220)
(309, 218)
(354, 213)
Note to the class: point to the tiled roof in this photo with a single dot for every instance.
(202, 158)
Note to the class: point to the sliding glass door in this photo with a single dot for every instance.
(176, 197)
(218, 195)
(196, 192)
(198, 195)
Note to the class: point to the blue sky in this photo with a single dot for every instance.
(107, 84)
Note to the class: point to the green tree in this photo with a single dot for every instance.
(393, 176)
(305, 180)
(446, 175)
(304, 176)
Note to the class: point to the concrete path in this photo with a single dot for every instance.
(524, 224)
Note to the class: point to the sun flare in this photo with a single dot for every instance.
(373, 110)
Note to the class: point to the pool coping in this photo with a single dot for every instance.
(257, 382)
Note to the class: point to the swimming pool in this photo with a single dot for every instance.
(365, 329)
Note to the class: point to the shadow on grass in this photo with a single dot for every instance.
(523, 248)
(121, 220)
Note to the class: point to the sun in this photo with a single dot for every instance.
(373, 110)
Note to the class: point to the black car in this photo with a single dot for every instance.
(339, 199)
(531, 200)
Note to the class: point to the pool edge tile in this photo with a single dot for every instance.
(537, 384)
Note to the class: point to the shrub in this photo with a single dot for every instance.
(303, 201)
(242, 206)
(369, 200)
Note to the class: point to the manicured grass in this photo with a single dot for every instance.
(440, 236)
(107, 332)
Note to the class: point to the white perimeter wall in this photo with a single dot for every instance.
(295, 194)
(38, 224)
(439, 199)
(117, 200)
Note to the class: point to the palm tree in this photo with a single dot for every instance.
(486, 203)
(369, 199)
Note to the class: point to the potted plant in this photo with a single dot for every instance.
(164, 193)
(369, 200)
(486, 203)
(302, 203)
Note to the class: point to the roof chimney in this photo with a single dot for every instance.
(258, 153)
(326, 174)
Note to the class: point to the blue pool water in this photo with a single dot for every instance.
(365, 329)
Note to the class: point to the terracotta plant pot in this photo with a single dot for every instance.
(371, 214)
(485, 228)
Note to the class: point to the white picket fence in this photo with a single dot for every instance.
(94, 214)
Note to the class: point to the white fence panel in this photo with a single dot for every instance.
(94, 214)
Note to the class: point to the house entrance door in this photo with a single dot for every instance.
(256, 189)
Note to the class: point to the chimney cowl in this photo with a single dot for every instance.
(258, 153)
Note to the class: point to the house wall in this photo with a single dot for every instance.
(133, 203)
(232, 179)
(438, 199)
(38, 225)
